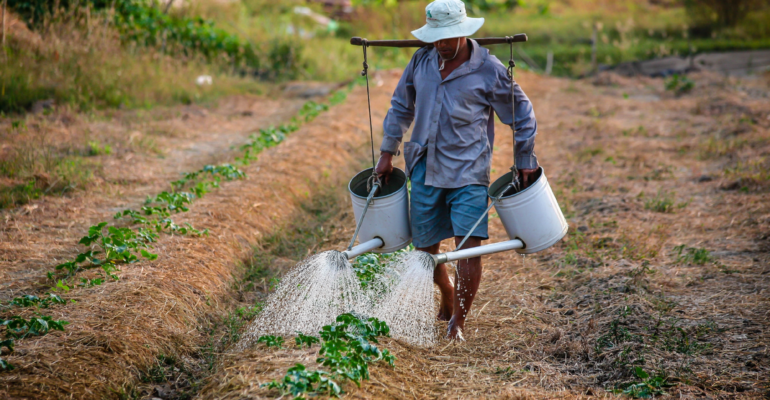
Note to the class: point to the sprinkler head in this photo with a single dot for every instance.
(429, 261)
(338, 259)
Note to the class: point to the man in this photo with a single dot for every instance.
(449, 91)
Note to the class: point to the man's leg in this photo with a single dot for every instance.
(467, 281)
(441, 278)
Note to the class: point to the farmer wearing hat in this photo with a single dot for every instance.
(449, 91)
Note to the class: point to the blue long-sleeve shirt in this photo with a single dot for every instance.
(453, 121)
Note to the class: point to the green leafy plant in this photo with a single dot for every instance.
(271, 341)
(662, 202)
(347, 349)
(311, 109)
(19, 328)
(648, 387)
(369, 266)
(692, 255)
(679, 84)
(305, 340)
(299, 381)
(113, 244)
(35, 301)
(96, 149)
(4, 365)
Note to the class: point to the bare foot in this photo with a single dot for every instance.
(455, 330)
(444, 314)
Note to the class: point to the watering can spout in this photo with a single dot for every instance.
(362, 248)
(477, 251)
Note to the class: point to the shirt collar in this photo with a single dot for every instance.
(478, 56)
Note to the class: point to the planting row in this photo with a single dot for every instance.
(132, 236)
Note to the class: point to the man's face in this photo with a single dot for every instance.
(447, 47)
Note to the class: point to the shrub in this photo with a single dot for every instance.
(721, 13)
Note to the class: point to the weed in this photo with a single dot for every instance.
(663, 202)
(96, 149)
(642, 270)
(679, 84)
(617, 334)
(648, 387)
(692, 255)
(680, 340)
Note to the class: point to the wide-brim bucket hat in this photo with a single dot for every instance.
(446, 19)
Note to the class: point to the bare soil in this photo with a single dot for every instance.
(637, 170)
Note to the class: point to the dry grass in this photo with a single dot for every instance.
(78, 59)
(571, 322)
(118, 329)
(575, 321)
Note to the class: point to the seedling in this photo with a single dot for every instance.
(20, 328)
(299, 381)
(271, 341)
(306, 340)
(311, 109)
(346, 350)
(663, 202)
(649, 387)
(679, 84)
(31, 300)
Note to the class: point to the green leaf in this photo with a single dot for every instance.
(150, 256)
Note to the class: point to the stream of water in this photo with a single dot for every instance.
(325, 285)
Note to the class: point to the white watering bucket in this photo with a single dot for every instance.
(531, 215)
(388, 215)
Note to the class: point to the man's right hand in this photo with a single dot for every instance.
(384, 167)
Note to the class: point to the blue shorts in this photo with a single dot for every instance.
(437, 214)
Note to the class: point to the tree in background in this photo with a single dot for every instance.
(722, 13)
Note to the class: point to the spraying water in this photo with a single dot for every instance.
(310, 296)
(407, 305)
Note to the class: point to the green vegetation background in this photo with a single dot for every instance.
(139, 53)
(136, 53)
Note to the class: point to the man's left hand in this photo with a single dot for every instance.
(527, 177)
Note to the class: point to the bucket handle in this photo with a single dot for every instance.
(494, 200)
(514, 170)
(375, 188)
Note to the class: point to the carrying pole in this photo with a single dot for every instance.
(357, 41)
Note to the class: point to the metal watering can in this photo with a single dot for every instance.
(531, 217)
(382, 212)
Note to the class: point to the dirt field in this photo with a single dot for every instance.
(638, 171)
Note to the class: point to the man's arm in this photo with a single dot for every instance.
(400, 116)
(526, 124)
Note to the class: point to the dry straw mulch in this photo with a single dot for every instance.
(119, 328)
(638, 172)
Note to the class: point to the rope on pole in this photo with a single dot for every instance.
(365, 74)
